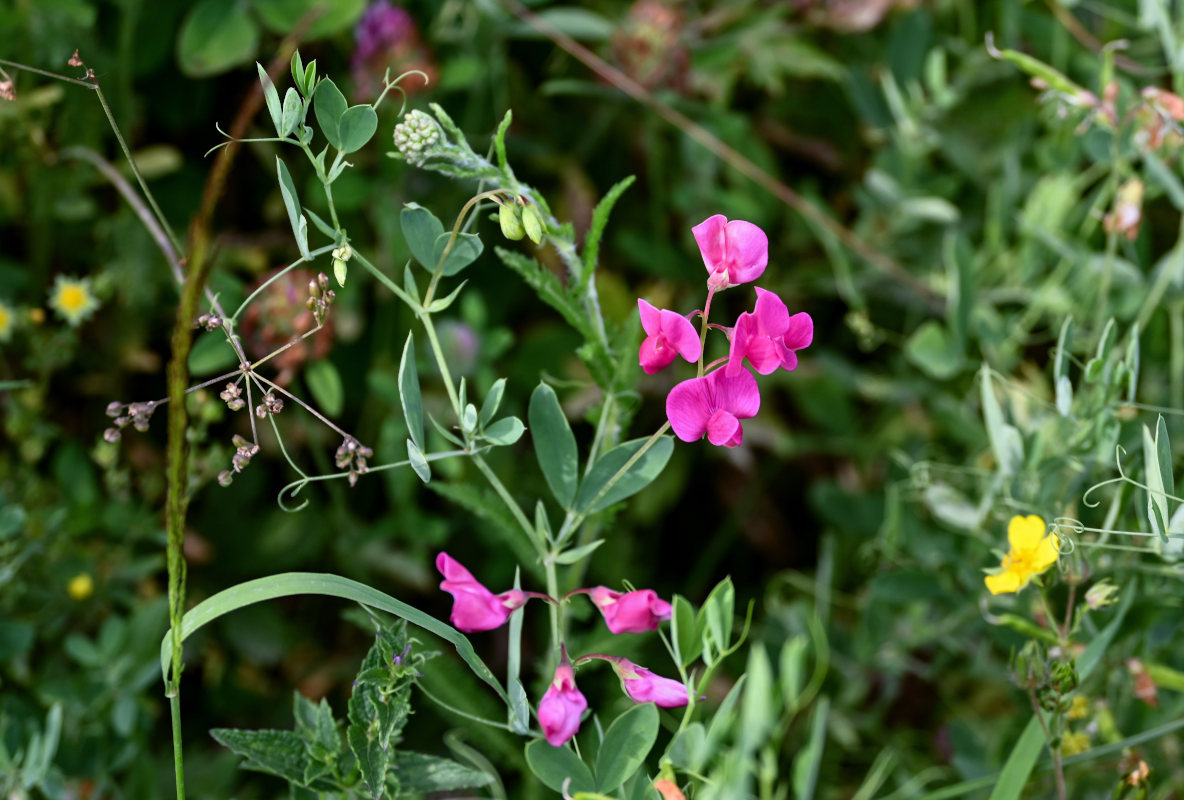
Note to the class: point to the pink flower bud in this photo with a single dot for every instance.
(646, 687)
(474, 608)
(632, 612)
(561, 707)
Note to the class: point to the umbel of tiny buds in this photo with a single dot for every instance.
(415, 135)
(352, 455)
(232, 396)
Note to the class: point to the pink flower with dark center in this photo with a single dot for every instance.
(713, 404)
(734, 252)
(646, 687)
(475, 608)
(667, 335)
(561, 707)
(639, 611)
(769, 336)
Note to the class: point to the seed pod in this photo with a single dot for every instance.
(507, 217)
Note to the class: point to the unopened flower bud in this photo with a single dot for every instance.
(532, 224)
(507, 217)
(1101, 594)
(314, 289)
(111, 435)
(1063, 677)
(225, 478)
(114, 408)
(339, 271)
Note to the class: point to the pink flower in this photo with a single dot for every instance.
(667, 334)
(561, 706)
(713, 404)
(734, 252)
(646, 687)
(475, 608)
(632, 612)
(769, 336)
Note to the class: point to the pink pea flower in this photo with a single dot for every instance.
(646, 687)
(667, 335)
(561, 706)
(769, 336)
(713, 404)
(734, 252)
(632, 612)
(475, 608)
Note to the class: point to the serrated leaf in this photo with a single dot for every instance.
(271, 98)
(418, 463)
(356, 127)
(409, 394)
(316, 727)
(324, 382)
(215, 36)
(626, 744)
(420, 773)
(279, 753)
(291, 113)
(555, 765)
(599, 220)
(328, 103)
(640, 475)
(554, 444)
(493, 400)
(578, 553)
(421, 229)
(505, 431)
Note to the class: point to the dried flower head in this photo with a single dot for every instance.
(75, 60)
(72, 299)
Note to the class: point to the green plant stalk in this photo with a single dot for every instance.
(439, 270)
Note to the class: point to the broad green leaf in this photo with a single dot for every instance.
(291, 114)
(328, 103)
(493, 399)
(505, 431)
(688, 749)
(324, 382)
(409, 394)
(272, 98)
(792, 668)
(685, 631)
(356, 127)
(465, 250)
(578, 553)
(626, 744)
(554, 444)
(215, 36)
(554, 765)
(420, 773)
(278, 16)
(418, 463)
(288, 584)
(640, 475)
(292, 204)
(1006, 441)
(211, 353)
(759, 707)
(275, 752)
(421, 229)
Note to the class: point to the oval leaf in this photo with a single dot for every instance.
(505, 431)
(554, 444)
(291, 112)
(356, 127)
(421, 228)
(640, 474)
(554, 765)
(626, 744)
(216, 35)
(465, 251)
(328, 103)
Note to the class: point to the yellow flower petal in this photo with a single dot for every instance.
(1044, 555)
(1024, 533)
(1006, 581)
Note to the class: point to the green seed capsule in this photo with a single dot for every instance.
(507, 217)
(532, 224)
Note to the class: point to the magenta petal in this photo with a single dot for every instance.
(800, 331)
(764, 354)
(747, 251)
(743, 331)
(771, 314)
(721, 427)
(709, 234)
(650, 317)
(789, 359)
(738, 395)
(680, 334)
(452, 570)
(688, 407)
(654, 355)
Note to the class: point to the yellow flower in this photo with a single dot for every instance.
(7, 321)
(1032, 552)
(72, 299)
(81, 586)
(1074, 743)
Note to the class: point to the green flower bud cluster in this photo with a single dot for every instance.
(415, 135)
(520, 220)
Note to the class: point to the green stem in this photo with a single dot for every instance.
(439, 270)
(446, 374)
(383, 279)
(512, 505)
(178, 766)
(703, 331)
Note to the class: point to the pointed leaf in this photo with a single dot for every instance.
(272, 98)
(685, 631)
(578, 553)
(1156, 454)
(505, 431)
(291, 115)
(274, 752)
(357, 127)
(554, 444)
(759, 706)
(1006, 441)
(599, 221)
(297, 67)
(329, 104)
(420, 773)
(441, 303)
(409, 393)
(418, 463)
(493, 399)
(640, 475)
(626, 744)
(292, 204)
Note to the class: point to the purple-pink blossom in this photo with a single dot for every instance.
(713, 404)
(646, 687)
(475, 608)
(734, 252)
(667, 335)
(638, 611)
(561, 706)
(768, 336)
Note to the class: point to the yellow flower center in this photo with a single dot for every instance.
(73, 298)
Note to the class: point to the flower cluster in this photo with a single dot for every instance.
(1032, 552)
(768, 338)
(475, 608)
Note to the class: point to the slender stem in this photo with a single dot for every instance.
(1067, 631)
(553, 590)
(442, 363)
(439, 270)
(48, 74)
(288, 346)
(263, 287)
(324, 420)
(703, 330)
(601, 428)
(178, 764)
(395, 289)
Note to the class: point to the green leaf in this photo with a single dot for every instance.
(291, 115)
(1132, 363)
(324, 382)
(420, 773)
(441, 303)
(1006, 441)
(499, 142)
(792, 670)
(1025, 752)
(215, 36)
(554, 765)
(421, 229)
(1157, 463)
(578, 23)
(685, 631)
(278, 16)
(465, 250)
(759, 705)
(409, 394)
(292, 204)
(329, 104)
(493, 399)
(554, 444)
(505, 431)
(418, 463)
(933, 350)
(316, 727)
(300, 583)
(321, 225)
(278, 753)
(578, 553)
(489, 507)
(639, 476)
(717, 613)
(297, 67)
(356, 127)
(1059, 365)
(272, 98)
(599, 219)
(809, 758)
(626, 744)
(211, 353)
(1064, 395)
(1054, 80)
